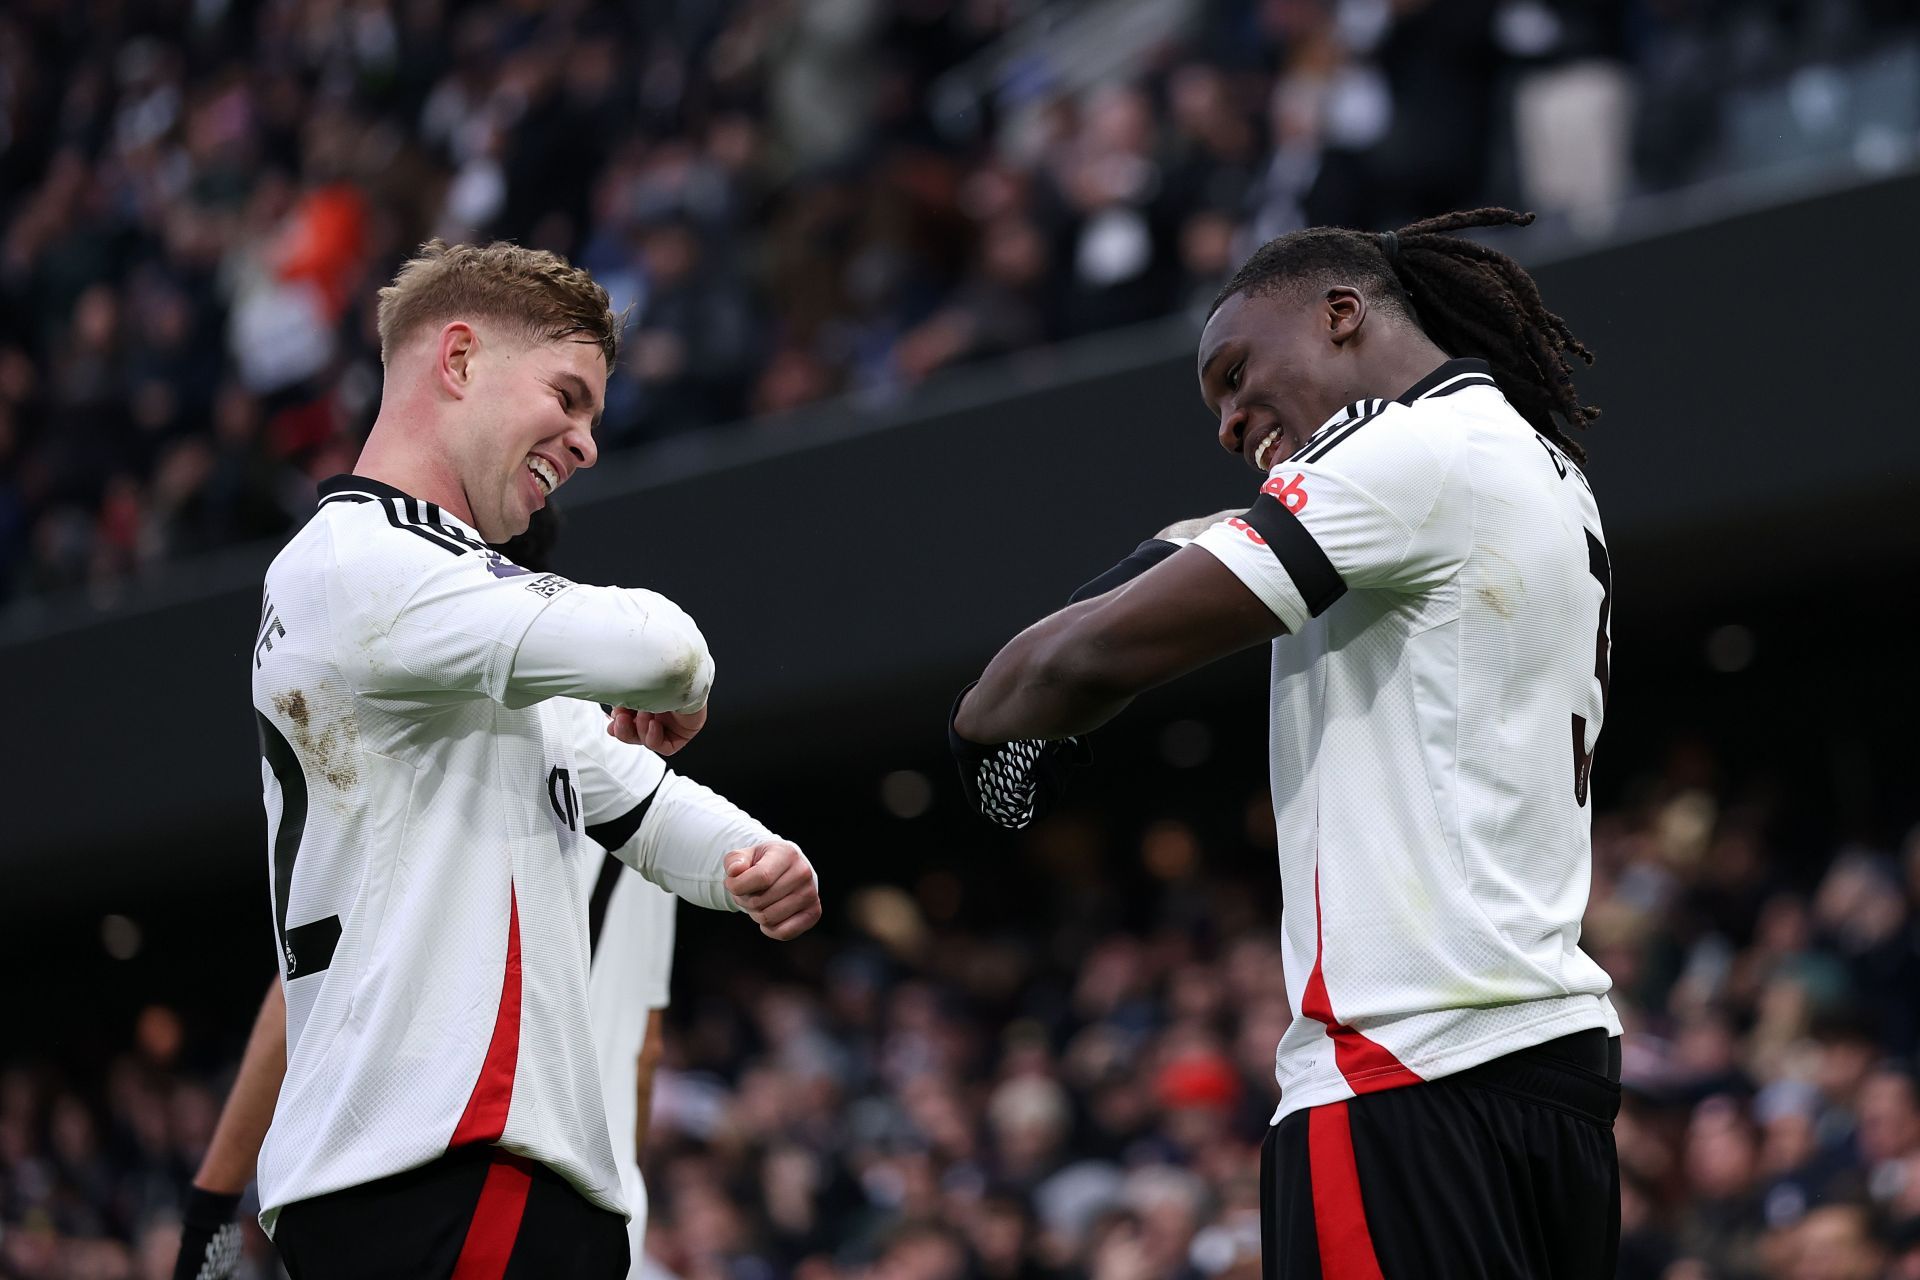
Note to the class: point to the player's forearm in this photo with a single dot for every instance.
(687, 834)
(229, 1163)
(618, 646)
(1041, 684)
(1070, 673)
(1048, 682)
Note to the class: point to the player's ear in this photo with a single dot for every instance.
(1343, 311)
(454, 357)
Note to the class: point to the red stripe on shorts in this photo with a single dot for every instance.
(485, 1118)
(1339, 1217)
(496, 1220)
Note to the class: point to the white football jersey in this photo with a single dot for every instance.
(431, 822)
(1442, 573)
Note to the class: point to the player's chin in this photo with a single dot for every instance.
(512, 521)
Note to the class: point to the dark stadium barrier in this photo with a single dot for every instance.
(1758, 443)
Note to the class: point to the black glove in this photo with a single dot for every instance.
(209, 1237)
(1013, 783)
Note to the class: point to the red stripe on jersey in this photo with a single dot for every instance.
(485, 1118)
(496, 1220)
(1368, 1067)
(1339, 1215)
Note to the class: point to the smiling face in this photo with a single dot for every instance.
(1274, 367)
(526, 424)
(496, 360)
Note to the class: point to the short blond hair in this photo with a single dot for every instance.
(541, 292)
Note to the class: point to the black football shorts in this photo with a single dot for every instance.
(1505, 1171)
(477, 1213)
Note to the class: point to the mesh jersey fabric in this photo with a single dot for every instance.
(1433, 713)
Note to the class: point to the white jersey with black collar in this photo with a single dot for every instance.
(1442, 573)
(432, 820)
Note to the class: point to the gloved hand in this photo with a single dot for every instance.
(1013, 783)
(209, 1237)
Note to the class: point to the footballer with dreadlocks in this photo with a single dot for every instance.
(1426, 557)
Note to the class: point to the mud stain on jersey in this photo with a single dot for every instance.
(334, 752)
(1505, 587)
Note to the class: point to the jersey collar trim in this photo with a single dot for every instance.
(363, 486)
(1448, 378)
(1344, 414)
(350, 488)
(1444, 381)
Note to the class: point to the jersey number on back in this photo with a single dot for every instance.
(1601, 568)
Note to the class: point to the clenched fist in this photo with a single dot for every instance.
(775, 885)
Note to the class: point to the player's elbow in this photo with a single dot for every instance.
(689, 675)
(671, 668)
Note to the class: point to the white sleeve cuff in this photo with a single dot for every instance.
(683, 842)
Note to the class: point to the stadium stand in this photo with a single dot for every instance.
(1068, 1078)
(797, 201)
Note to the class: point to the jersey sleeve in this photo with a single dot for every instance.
(616, 779)
(438, 621)
(673, 831)
(1375, 506)
(623, 646)
(683, 838)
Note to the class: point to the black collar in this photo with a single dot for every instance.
(361, 484)
(1446, 373)
(402, 508)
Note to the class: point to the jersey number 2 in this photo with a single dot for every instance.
(1601, 568)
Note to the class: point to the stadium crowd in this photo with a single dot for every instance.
(198, 198)
(1065, 1074)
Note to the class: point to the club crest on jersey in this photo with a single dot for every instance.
(501, 567)
(562, 796)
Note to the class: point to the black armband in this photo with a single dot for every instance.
(1144, 557)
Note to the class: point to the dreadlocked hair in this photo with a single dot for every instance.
(1468, 298)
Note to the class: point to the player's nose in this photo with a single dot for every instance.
(582, 448)
(1233, 430)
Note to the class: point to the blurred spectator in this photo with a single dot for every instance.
(1833, 1242)
(691, 338)
(1722, 1222)
(1889, 1136)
